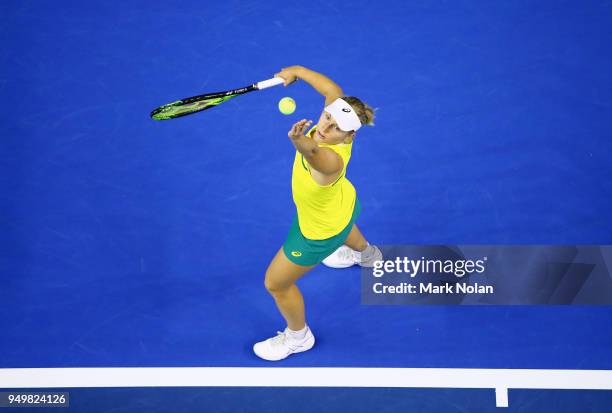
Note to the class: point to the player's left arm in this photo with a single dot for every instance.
(321, 83)
(323, 160)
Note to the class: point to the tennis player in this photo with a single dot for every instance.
(324, 228)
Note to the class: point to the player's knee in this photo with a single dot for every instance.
(274, 285)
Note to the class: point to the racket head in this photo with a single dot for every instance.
(188, 106)
(198, 103)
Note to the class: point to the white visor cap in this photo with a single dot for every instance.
(345, 116)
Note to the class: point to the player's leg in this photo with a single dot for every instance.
(356, 240)
(281, 276)
(356, 250)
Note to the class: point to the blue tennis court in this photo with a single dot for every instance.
(131, 243)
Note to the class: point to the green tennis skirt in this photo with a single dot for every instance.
(306, 252)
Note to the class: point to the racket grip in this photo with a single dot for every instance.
(270, 82)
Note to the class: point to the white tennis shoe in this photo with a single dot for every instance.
(283, 345)
(345, 257)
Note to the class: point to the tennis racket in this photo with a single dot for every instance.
(199, 103)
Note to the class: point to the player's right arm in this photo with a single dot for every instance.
(321, 83)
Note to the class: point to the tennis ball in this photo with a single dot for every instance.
(286, 105)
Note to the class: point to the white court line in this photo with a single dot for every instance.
(499, 379)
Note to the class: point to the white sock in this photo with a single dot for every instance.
(357, 254)
(368, 252)
(297, 335)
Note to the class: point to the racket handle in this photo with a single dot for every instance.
(270, 82)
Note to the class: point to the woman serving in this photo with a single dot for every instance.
(327, 207)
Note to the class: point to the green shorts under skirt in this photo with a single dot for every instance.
(303, 251)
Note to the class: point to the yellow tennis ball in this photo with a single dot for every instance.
(286, 106)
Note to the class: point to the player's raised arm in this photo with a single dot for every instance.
(322, 84)
(323, 160)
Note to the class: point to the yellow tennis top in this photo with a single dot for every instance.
(323, 210)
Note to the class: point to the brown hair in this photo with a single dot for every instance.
(363, 110)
